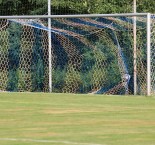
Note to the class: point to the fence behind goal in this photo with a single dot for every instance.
(89, 55)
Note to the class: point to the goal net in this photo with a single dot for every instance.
(89, 55)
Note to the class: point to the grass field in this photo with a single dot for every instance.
(68, 119)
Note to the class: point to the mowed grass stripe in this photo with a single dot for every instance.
(44, 141)
(90, 119)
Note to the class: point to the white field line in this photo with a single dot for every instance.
(46, 141)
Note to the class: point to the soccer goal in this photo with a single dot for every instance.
(78, 54)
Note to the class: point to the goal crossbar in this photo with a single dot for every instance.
(73, 16)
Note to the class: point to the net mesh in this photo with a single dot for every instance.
(153, 54)
(89, 55)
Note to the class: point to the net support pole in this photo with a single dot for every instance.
(50, 46)
(135, 48)
(148, 54)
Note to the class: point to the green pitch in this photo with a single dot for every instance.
(68, 119)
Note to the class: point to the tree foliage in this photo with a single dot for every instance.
(13, 56)
(21, 7)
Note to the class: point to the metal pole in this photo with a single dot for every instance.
(148, 54)
(50, 46)
(135, 49)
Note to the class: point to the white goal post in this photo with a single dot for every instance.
(89, 23)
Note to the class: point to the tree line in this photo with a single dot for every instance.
(24, 7)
